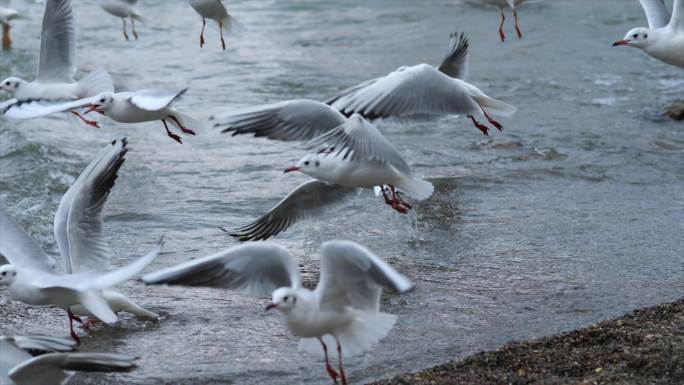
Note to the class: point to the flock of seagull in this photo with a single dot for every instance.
(348, 153)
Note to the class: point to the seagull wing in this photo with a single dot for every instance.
(352, 276)
(455, 64)
(154, 100)
(78, 223)
(19, 248)
(349, 91)
(51, 368)
(358, 139)
(677, 20)
(656, 12)
(57, 43)
(44, 344)
(36, 108)
(409, 90)
(307, 200)
(256, 269)
(290, 120)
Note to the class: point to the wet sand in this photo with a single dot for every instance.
(643, 347)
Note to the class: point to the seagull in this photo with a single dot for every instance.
(55, 363)
(124, 9)
(355, 155)
(664, 37)
(343, 310)
(502, 4)
(123, 107)
(7, 15)
(31, 274)
(56, 66)
(424, 88)
(214, 10)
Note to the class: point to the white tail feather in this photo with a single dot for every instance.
(366, 330)
(98, 306)
(417, 188)
(94, 83)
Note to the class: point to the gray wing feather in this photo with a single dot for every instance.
(351, 275)
(656, 12)
(677, 20)
(307, 200)
(57, 43)
(359, 140)
(19, 248)
(349, 91)
(291, 120)
(154, 100)
(50, 368)
(256, 269)
(455, 64)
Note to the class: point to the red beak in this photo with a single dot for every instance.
(94, 107)
(621, 42)
(270, 306)
(293, 168)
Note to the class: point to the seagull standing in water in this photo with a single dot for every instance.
(213, 10)
(664, 37)
(57, 64)
(123, 9)
(31, 274)
(343, 311)
(7, 15)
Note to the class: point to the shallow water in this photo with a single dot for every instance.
(573, 214)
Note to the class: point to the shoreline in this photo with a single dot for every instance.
(645, 346)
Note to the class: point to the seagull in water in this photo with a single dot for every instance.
(343, 311)
(57, 64)
(354, 155)
(7, 15)
(503, 4)
(214, 10)
(424, 89)
(54, 362)
(31, 274)
(664, 37)
(124, 9)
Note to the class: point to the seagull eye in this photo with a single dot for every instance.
(102, 100)
(286, 298)
(645, 36)
(7, 83)
(306, 164)
(635, 36)
(318, 163)
(4, 273)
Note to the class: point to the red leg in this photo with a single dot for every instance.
(171, 134)
(135, 34)
(182, 127)
(502, 35)
(396, 204)
(87, 325)
(491, 120)
(223, 42)
(339, 362)
(402, 202)
(481, 127)
(73, 318)
(204, 24)
(517, 26)
(331, 372)
(384, 195)
(6, 42)
(92, 123)
(124, 28)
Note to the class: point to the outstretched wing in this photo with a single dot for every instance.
(455, 64)
(19, 248)
(52, 368)
(35, 108)
(349, 90)
(290, 120)
(677, 20)
(307, 200)
(359, 140)
(57, 43)
(353, 276)
(154, 100)
(656, 12)
(256, 269)
(78, 221)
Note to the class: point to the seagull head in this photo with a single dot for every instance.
(11, 85)
(284, 299)
(8, 274)
(315, 165)
(101, 103)
(637, 37)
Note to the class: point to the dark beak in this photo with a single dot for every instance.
(621, 42)
(94, 107)
(293, 168)
(270, 306)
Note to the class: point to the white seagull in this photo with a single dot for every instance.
(512, 4)
(664, 37)
(124, 9)
(214, 10)
(54, 364)
(57, 63)
(7, 15)
(425, 89)
(354, 155)
(343, 310)
(31, 274)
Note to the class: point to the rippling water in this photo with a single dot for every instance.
(573, 214)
